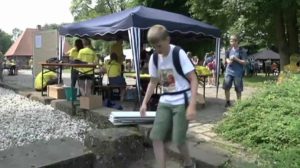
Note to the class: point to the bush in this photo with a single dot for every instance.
(268, 123)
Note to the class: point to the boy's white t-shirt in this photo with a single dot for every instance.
(170, 80)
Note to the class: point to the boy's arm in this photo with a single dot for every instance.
(191, 110)
(150, 89)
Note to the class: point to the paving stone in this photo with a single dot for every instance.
(210, 134)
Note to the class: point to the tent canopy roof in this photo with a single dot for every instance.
(115, 25)
(266, 54)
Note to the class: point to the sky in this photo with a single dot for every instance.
(24, 14)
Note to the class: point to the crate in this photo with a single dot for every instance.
(56, 91)
(90, 102)
(71, 93)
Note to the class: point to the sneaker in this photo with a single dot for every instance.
(191, 166)
(228, 104)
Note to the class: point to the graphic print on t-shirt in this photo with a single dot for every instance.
(168, 80)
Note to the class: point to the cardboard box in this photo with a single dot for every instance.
(90, 102)
(56, 91)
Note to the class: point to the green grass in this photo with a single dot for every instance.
(256, 81)
(259, 80)
(268, 123)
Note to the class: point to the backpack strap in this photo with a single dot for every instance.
(176, 63)
(155, 59)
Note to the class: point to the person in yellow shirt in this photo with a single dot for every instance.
(73, 55)
(114, 74)
(50, 78)
(117, 48)
(73, 52)
(87, 55)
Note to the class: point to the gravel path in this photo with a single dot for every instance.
(23, 121)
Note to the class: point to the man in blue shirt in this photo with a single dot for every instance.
(236, 59)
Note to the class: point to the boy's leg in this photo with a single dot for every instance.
(184, 150)
(159, 132)
(160, 153)
(180, 126)
(238, 83)
(227, 84)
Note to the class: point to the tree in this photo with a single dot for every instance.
(259, 22)
(5, 41)
(50, 26)
(178, 6)
(87, 9)
(16, 33)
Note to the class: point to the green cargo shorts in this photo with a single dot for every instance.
(170, 124)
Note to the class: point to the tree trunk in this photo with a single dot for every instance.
(281, 38)
(291, 28)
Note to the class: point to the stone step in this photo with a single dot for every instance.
(66, 153)
(115, 147)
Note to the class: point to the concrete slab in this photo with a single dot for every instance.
(66, 153)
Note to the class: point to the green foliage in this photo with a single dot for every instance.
(198, 48)
(269, 123)
(5, 41)
(252, 20)
(16, 33)
(87, 9)
(168, 5)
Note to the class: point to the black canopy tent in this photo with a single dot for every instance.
(265, 54)
(131, 24)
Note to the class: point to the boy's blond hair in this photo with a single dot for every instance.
(157, 33)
